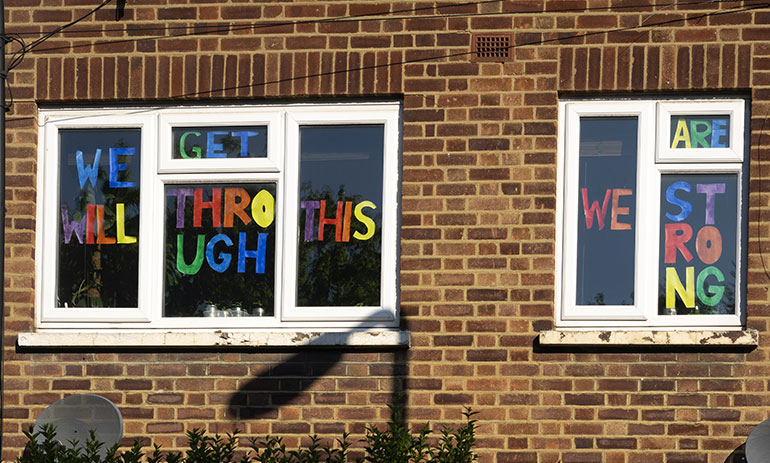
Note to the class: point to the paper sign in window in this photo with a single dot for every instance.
(219, 142)
(699, 132)
(219, 249)
(606, 211)
(698, 244)
(98, 210)
(340, 215)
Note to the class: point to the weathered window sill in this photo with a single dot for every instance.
(649, 338)
(219, 338)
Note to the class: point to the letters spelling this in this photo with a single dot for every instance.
(708, 247)
(701, 133)
(93, 222)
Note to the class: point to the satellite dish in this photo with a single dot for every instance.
(75, 416)
(758, 443)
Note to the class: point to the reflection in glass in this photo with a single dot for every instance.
(340, 215)
(697, 244)
(700, 132)
(219, 250)
(606, 211)
(98, 218)
(219, 142)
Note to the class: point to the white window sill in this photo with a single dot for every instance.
(219, 338)
(649, 338)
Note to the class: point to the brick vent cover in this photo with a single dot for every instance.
(492, 47)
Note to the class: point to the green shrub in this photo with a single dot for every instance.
(395, 444)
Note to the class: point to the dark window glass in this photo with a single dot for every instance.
(220, 249)
(219, 142)
(700, 132)
(606, 211)
(697, 244)
(340, 216)
(98, 218)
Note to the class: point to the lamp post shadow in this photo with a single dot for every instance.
(325, 374)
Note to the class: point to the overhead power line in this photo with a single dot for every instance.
(467, 53)
(383, 15)
(59, 29)
(202, 30)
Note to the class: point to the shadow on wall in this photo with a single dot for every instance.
(330, 371)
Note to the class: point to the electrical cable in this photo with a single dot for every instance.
(378, 17)
(65, 26)
(8, 104)
(466, 53)
(209, 30)
(288, 23)
(18, 56)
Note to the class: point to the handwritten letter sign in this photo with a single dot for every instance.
(700, 132)
(219, 142)
(606, 211)
(220, 246)
(99, 218)
(698, 232)
(340, 215)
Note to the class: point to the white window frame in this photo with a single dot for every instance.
(158, 169)
(654, 159)
(733, 109)
(388, 290)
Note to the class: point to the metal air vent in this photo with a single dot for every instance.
(492, 47)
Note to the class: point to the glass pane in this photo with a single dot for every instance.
(340, 216)
(700, 132)
(219, 142)
(698, 244)
(607, 211)
(220, 250)
(98, 218)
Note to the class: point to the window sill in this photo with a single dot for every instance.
(219, 338)
(649, 338)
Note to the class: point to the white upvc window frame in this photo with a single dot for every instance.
(733, 109)
(386, 311)
(159, 170)
(214, 117)
(654, 159)
(47, 212)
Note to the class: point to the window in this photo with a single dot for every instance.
(219, 217)
(653, 198)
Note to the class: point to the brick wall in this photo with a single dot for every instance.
(478, 221)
